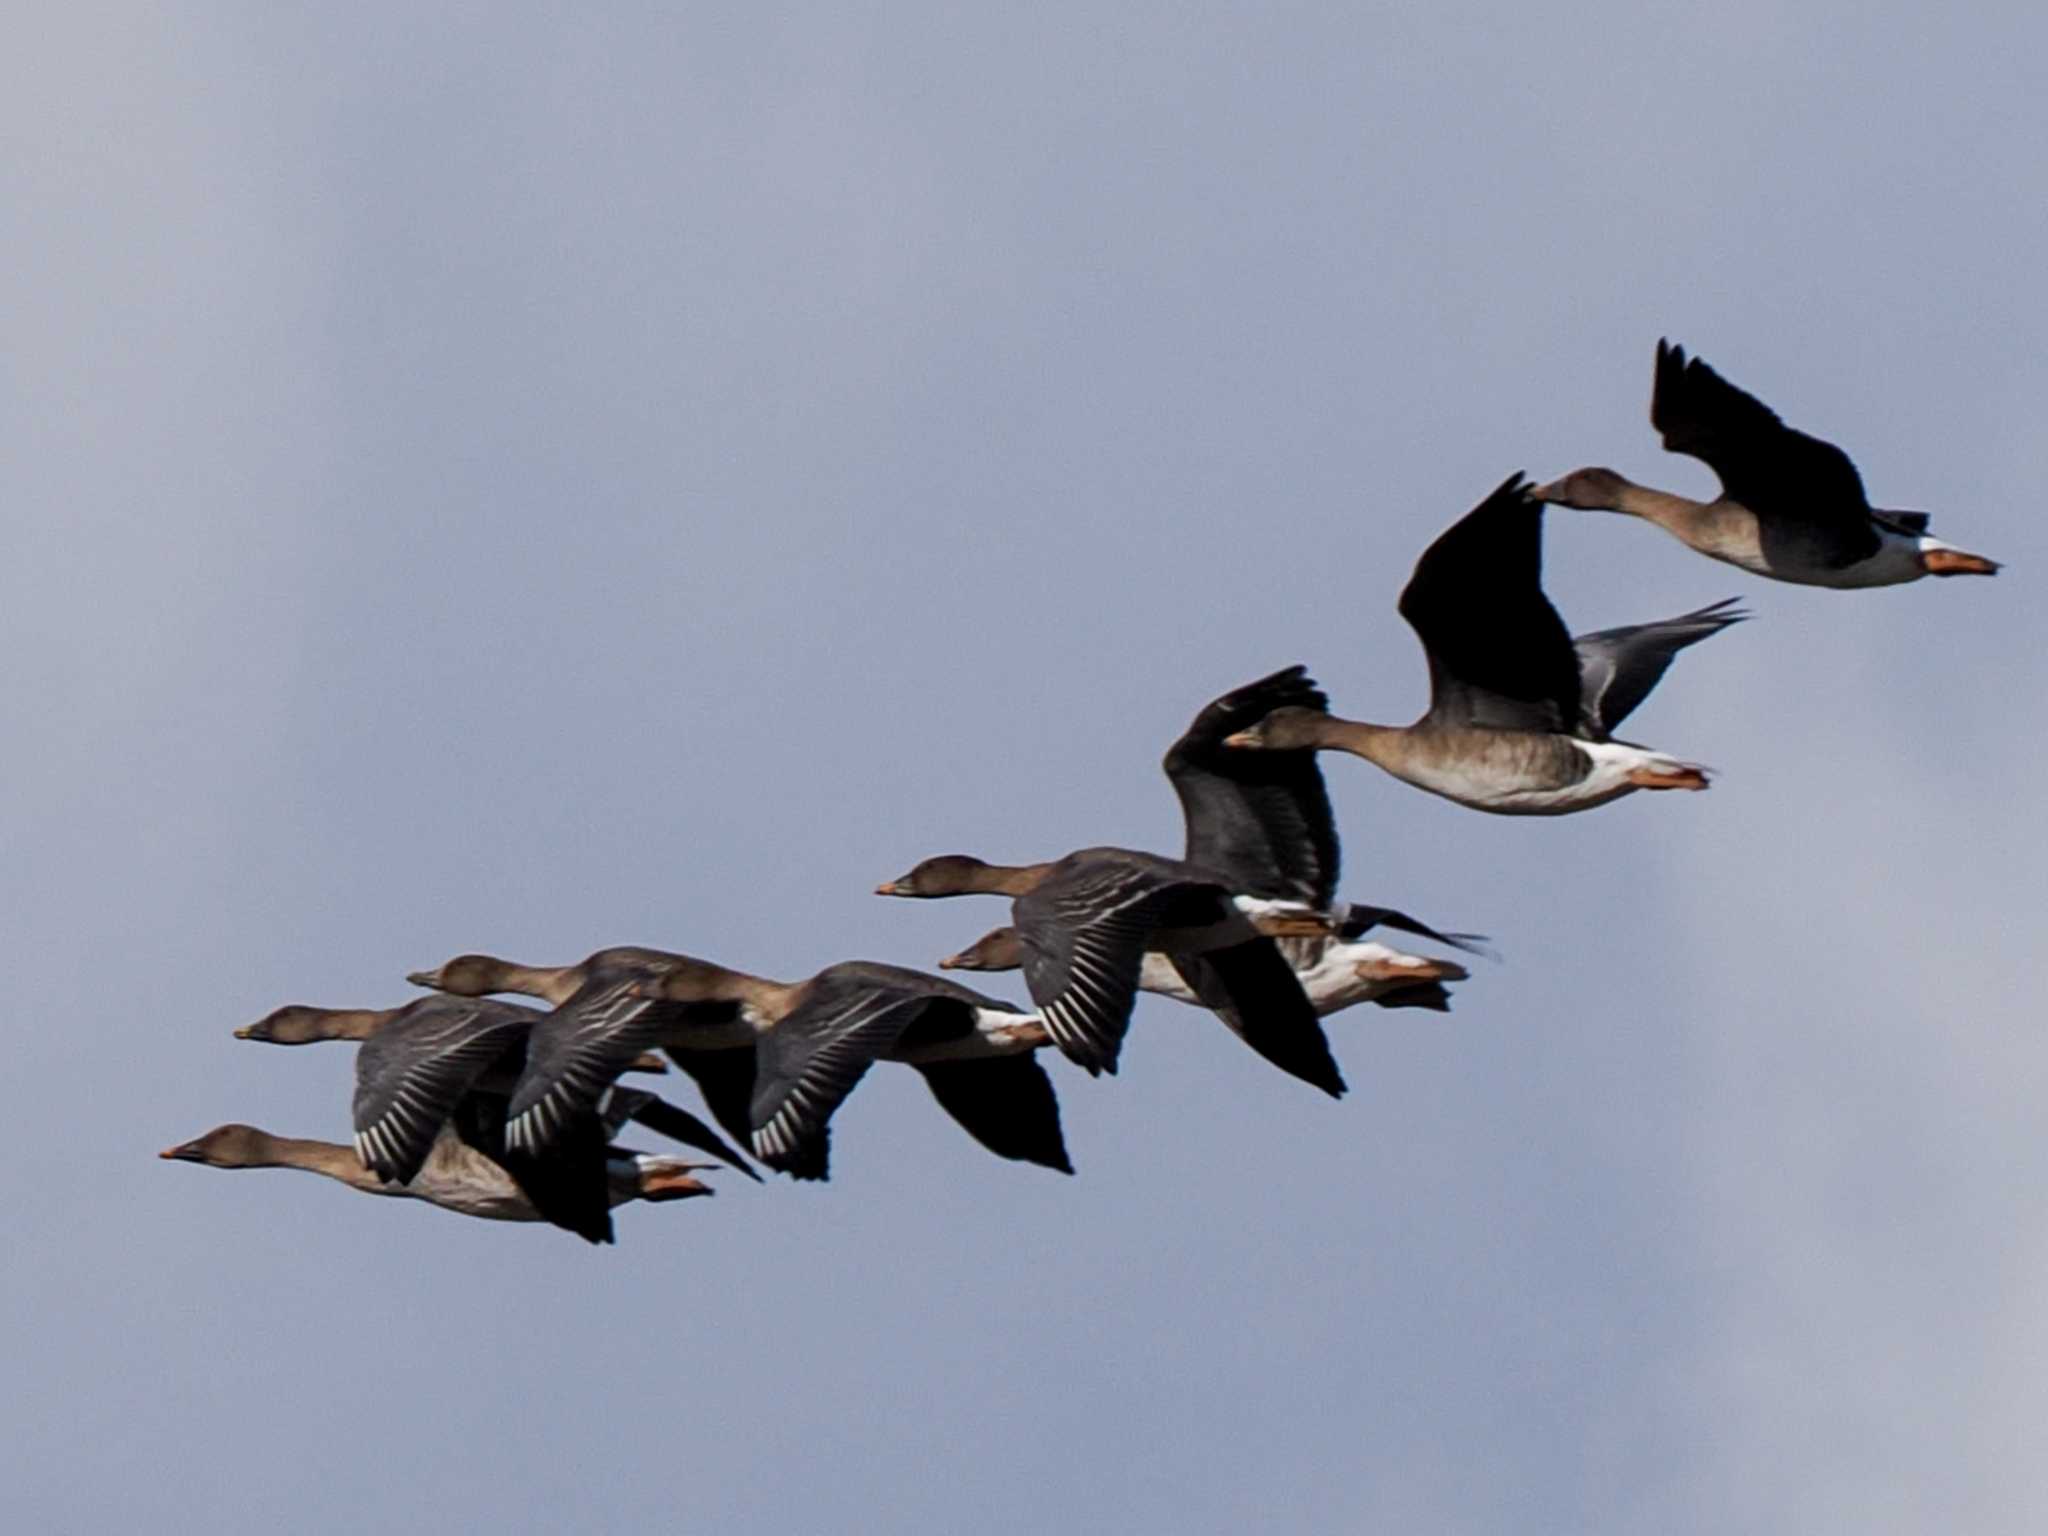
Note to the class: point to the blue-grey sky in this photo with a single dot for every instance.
(488, 476)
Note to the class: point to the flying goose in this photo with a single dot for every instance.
(1264, 820)
(1519, 720)
(1086, 922)
(1791, 506)
(454, 1175)
(775, 1059)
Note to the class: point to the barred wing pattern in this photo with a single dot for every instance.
(1084, 932)
(808, 1063)
(412, 1074)
(576, 1053)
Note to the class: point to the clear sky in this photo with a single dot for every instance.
(512, 478)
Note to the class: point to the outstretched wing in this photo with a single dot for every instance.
(1262, 818)
(1084, 931)
(1253, 989)
(1004, 1102)
(1808, 499)
(666, 1119)
(808, 1063)
(411, 1075)
(1359, 920)
(1498, 653)
(1619, 667)
(577, 1051)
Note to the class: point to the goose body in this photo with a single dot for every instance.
(1792, 507)
(1521, 717)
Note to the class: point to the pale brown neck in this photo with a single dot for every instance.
(1381, 744)
(325, 1157)
(351, 1023)
(1007, 879)
(554, 984)
(1664, 508)
(699, 981)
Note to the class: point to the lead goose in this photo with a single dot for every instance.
(775, 1059)
(1520, 715)
(1264, 819)
(1791, 507)
(1086, 923)
(454, 1176)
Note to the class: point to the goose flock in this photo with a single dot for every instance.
(500, 1110)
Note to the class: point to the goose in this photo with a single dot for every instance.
(1792, 507)
(775, 1059)
(1086, 922)
(1264, 819)
(455, 1176)
(1334, 974)
(1520, 716)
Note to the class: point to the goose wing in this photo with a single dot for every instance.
(567, 1180)
(578, 1050)
(1084, 930)
(411, 1075)
(1253, 989)
(808, 1063)
(1261, 818)
(1808, 499)
(1498, 653)
(1619, 667)
(1359, 920)
(1006, 1103)
(726, 1079)
(672, 1121)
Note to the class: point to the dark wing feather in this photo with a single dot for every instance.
(1084, 931)
(568, 1184)
(809, 1062)
(1498, 653)
(1359, 920)
(411, 1074)
(677, 1124)
(1004, 1102)
(1253, 989)
(578, 1051)
(726, 1079)
(1806, 494)
(568, 1181)
(1619, 667)
(1260, 818)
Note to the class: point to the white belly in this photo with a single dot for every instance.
(1528, 796)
